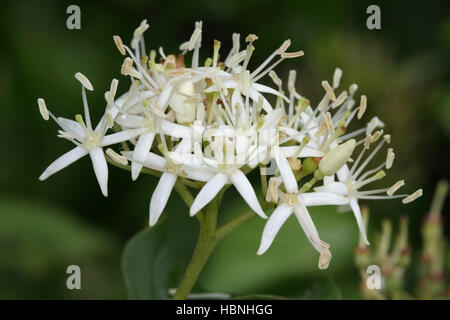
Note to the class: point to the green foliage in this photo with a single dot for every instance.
(39, 241)
(148, 264)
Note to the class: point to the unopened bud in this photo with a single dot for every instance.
(336, 158)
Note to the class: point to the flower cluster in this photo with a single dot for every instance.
(214, 122)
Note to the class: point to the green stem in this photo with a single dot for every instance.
(239, 220)
(203, 249)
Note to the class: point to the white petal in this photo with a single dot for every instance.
(63, 161)
(265, 89)
(333, 187)
(306, 152)
(322, 199)
(72, 127)
(130, 121)
(245, 189)
(273, 225)
(254, 95)
(140, 152)
(308, 226)
(163, 98)
(175, 130)
(198, 174)
(121, 136)
(359, 220)
(289, 181)
(343, 173)
(100, 168)
(161, 195)
(208, 192)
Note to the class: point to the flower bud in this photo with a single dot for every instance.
(336, 158)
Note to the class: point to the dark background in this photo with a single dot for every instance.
(46, 226)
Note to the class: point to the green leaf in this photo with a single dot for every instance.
(148, 265)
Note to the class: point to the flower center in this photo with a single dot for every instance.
(92, 140)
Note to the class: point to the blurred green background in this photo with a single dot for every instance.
(46, 226)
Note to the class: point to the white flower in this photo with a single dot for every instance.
(208, 125)
(350, 181)
(87, 140)
(296, 202)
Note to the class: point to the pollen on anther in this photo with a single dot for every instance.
(362, 107)
(119, 44)
(395, 187)
(412, 196)
(84, 81)
(43, 109)
(328, 90)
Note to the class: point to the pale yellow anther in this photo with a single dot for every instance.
(116, 157)
(353, 88)
(286, 44)
(275, 78)
(216, 52)
(128, 69)
(113, 88)
(119, 44)
(362, 107)
(328, 122)
(328, 90)
(84, 81)
(395, 187)
(43, 109)
(289, 55)
(251, 38)
(337, 77)
(390, 158)
(324, 259)
(340, 99)
(412, 196)
(323, 104)
(291, 80)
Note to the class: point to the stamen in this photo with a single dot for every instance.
(366, 162)
(328, 90)
(275, 79)
(304, 142)
(119, 44)
(289, 55)
(116, 157)
(378, 176)
(43, 109)
(251, 38)
(113, 88)
(236, 59)
(84, 81)
(138, 32)
(291, 80)
(395, 187)
(280, 50)
(390, 158)
(352, 89)
(323, 104)
(216, 52)
(413, 196)
(328, 122)
(128, 69)
(362, 106)
(340, 99)
(337, 77)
